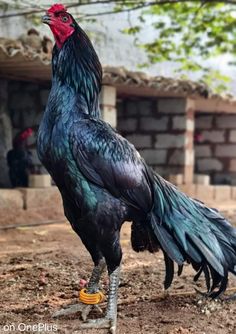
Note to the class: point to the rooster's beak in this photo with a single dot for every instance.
(46, 19)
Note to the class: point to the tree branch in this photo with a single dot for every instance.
(149, 4)
(124, 2)
(43, 8)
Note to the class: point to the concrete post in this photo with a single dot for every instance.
(177, 137)
(108, 105)
(189, 144)
(5, 134)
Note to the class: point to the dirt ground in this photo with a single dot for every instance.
(41, 268)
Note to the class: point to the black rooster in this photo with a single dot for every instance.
(19, 160)
(104, 181)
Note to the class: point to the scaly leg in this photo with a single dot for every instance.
(93, 287)
(110, 319)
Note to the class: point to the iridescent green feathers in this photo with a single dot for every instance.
(77, 66)
(189, 231)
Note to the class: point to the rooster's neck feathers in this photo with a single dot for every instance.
(77, 65)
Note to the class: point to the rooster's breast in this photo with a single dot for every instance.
(53, 145)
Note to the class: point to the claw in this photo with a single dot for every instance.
(72, 309)
(100, 323)
(87, 309)
(203, 294)
(165, 294)
(85, 312)
(109, 321)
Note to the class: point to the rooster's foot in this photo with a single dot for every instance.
(203, 294)
(72, 309)
(101, 323)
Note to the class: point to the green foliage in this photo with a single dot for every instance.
(189, 30)
(216, 80)
(35, 19)
(186, 30)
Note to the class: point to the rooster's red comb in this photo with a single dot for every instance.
(25, 134)
(57, 8)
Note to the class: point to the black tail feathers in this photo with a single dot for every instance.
(188, 231)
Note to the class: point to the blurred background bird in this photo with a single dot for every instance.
(19, 160)
(104, 181)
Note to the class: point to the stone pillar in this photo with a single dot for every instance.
(5, 134)
(108, 105)
(189, 143)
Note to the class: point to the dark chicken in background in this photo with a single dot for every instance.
(104, 181)
(19, 160)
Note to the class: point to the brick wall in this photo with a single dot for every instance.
(215, 147)
(5, 133)
(26, 103)
(159, 130)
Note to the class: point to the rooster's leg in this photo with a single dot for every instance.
(93, 287)
(109, 321)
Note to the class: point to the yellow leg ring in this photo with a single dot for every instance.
(91, 298)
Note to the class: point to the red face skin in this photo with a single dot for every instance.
(60, 22)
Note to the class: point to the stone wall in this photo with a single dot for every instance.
(25, 205)
(215, 147)
(161, 130)
(22, 106)
(5, 133)
(26, 102)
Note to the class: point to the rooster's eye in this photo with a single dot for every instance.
(64, 18)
